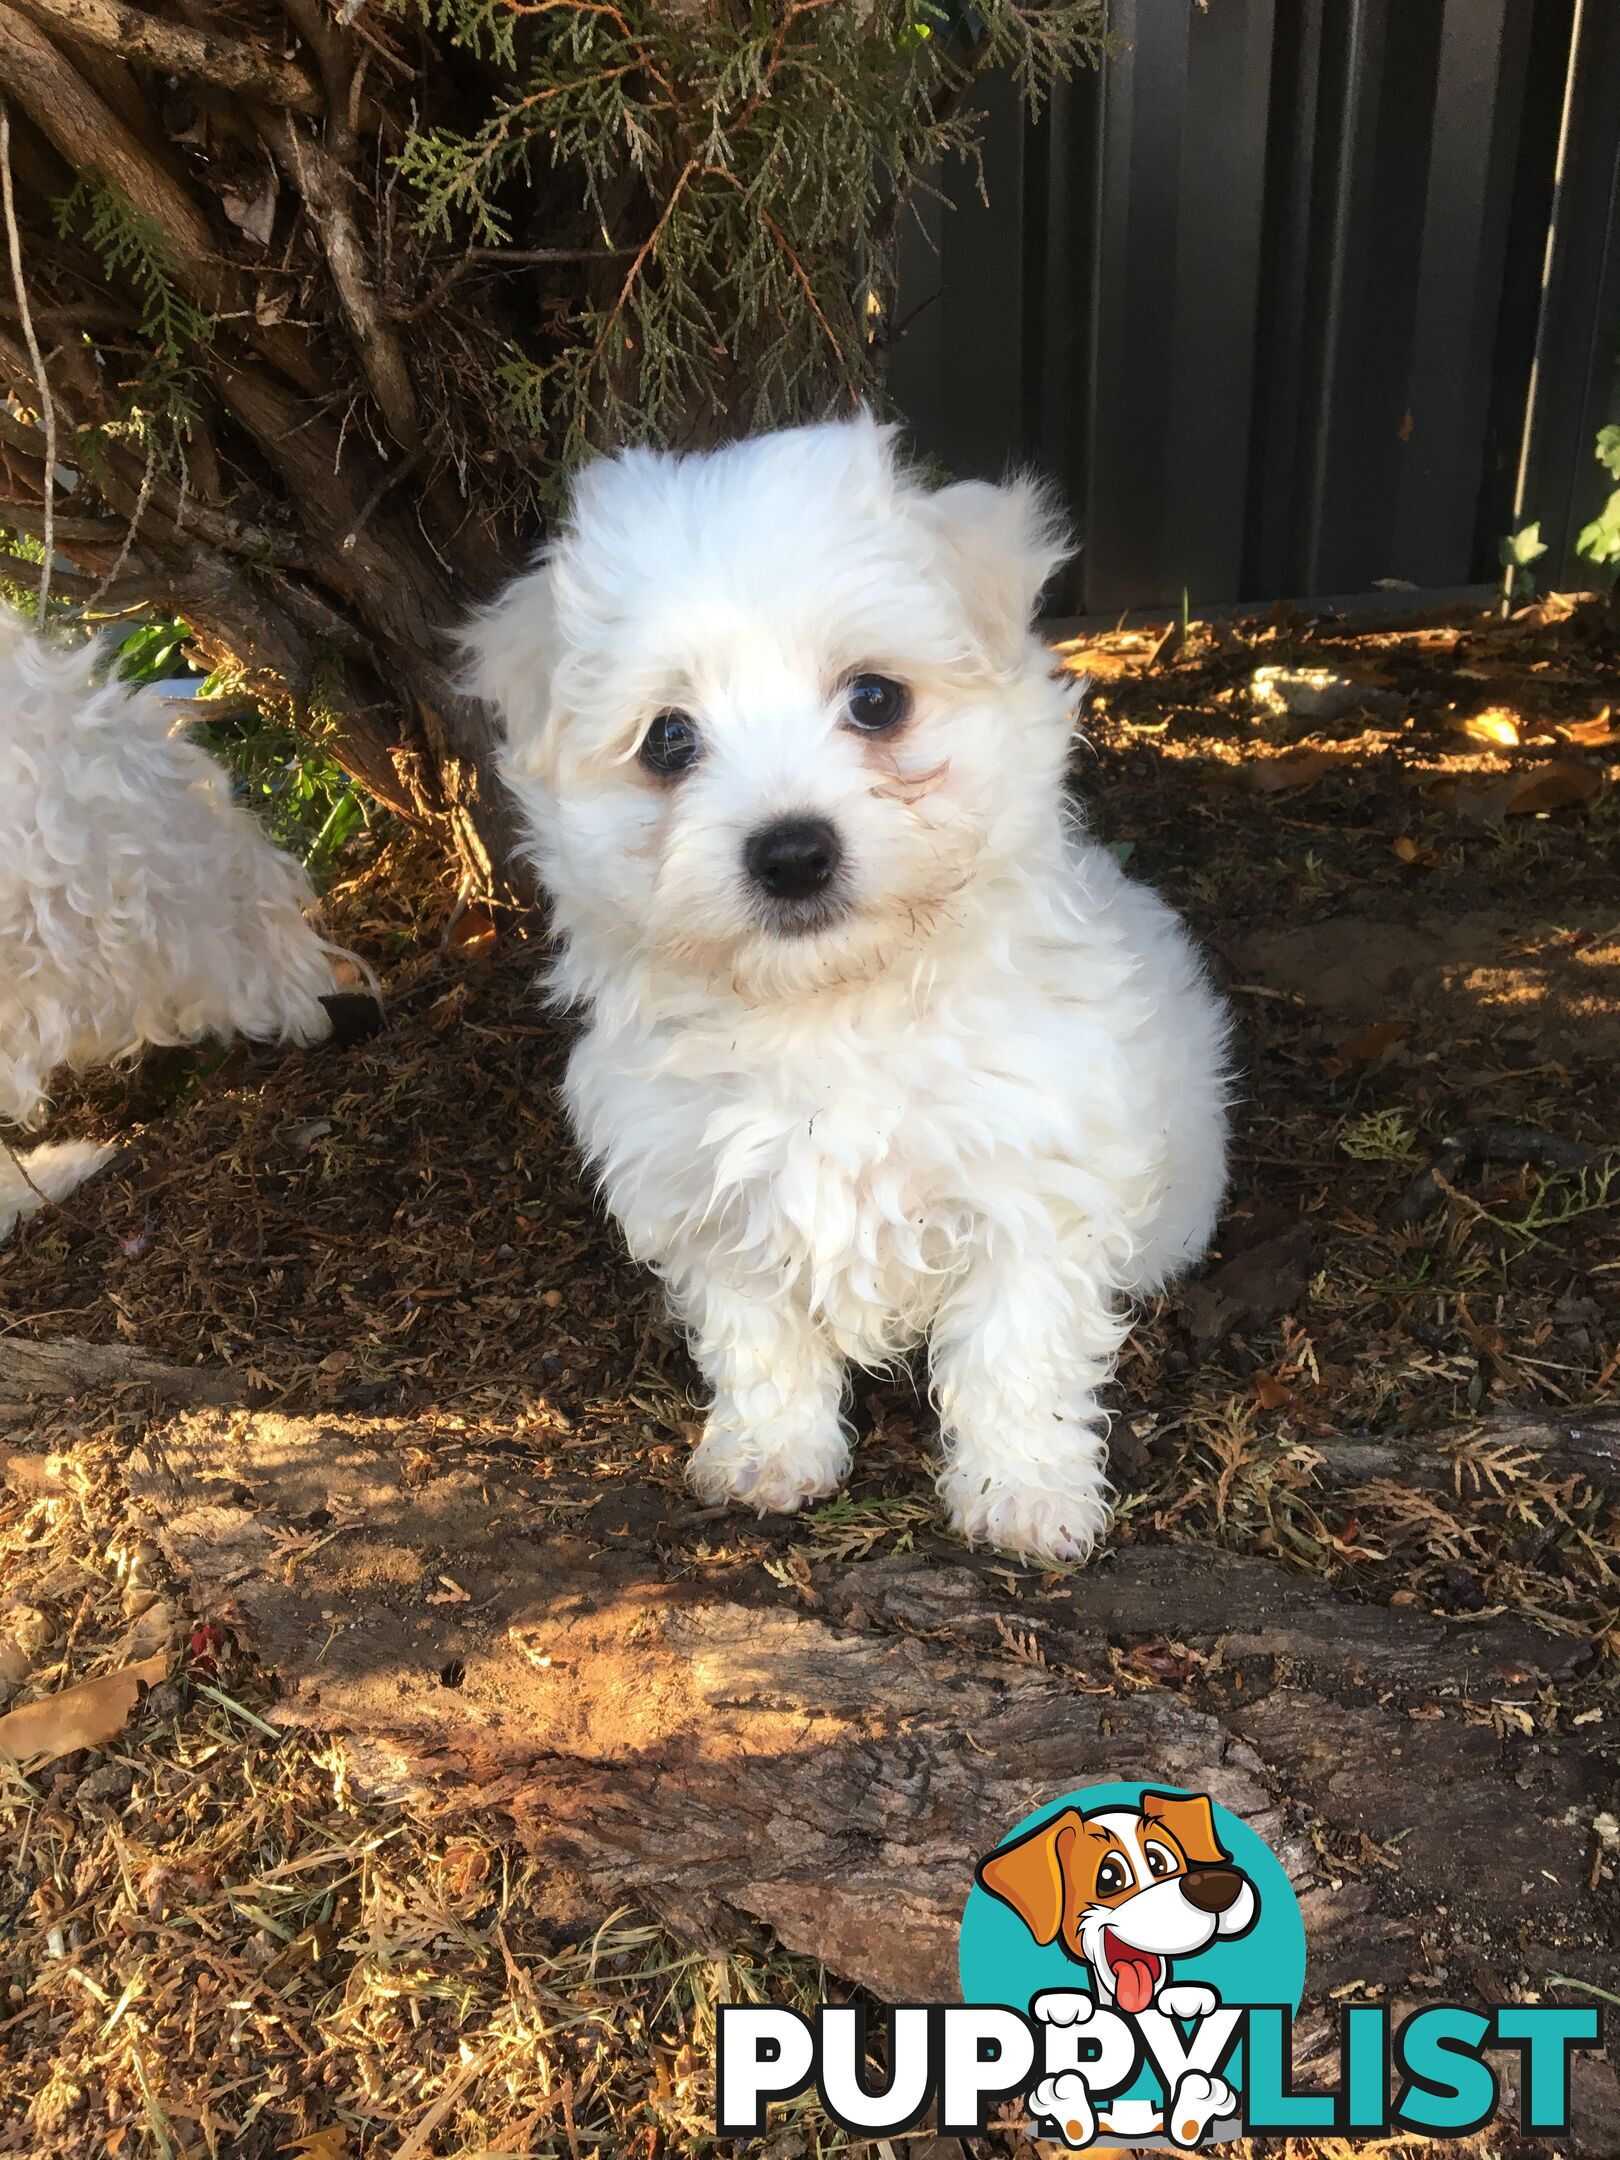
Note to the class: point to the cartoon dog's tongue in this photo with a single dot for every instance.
(1134, 1974)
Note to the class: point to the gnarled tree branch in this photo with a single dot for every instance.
(196, 55)
(94, 140)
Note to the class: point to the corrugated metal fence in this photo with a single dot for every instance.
(1272, 296)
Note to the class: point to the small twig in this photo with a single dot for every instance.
(25, 314)
(498, 259)
(390, 479)
(1474, 1147)
(131, 528)
(647, 247)
(1470, 1206)
(809, 291)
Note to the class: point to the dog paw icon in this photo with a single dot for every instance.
(1199, 2100)
(1067, 2006)
(1062, 2110)
(1187, 1999)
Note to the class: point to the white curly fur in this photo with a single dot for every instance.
(985, 1105)
(138, 903)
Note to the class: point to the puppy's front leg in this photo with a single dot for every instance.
(775, 1436)
(1020, 1348)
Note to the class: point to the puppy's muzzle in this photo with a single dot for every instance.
(793, 866)
(1213, 1889)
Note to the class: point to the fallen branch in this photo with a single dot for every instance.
(66, 1365)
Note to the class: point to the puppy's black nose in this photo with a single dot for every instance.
(794, 858)
(1211, 1889)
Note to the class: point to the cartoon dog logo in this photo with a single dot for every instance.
(1124, 1891)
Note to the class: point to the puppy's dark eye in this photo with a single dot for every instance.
(1112, 1878)
(670, 744)
(1159, 1861)
(875, 703)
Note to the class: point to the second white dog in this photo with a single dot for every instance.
(139, 903)
(879, 1046)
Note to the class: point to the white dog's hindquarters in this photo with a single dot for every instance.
(138, 903)
(880, 1049)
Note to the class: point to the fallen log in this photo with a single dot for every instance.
(1573, 1444)
(828, 1757)
(67, 1365)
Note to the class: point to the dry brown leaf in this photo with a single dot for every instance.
(1408, 850)
(473, 931)
(1594, 734)
(86, 1716)
(16, 1664)
(1270, 1392)
(1556, 784)
(1559, 784)
(1367, 1047)
(332, 2144)
(1294, 769)
(31, 1476)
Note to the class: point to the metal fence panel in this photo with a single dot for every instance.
(1263, 299)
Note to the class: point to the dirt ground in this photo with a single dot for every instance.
(1404, 868)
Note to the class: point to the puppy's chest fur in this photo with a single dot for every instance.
(852, 1158)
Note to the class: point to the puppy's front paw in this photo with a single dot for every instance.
(1060, 1517)
(774, 1468)
(1061, 2108)
(1199, 2100)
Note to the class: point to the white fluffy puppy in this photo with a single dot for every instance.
(138, 903)
(879, 1047)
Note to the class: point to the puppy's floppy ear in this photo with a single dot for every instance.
(1190, 1820)
(511, 651)
(998, 546)
(1028, 1874)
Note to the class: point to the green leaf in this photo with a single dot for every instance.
(1599, 542)
(1608, 450)
(154, 651)
(1524, 546)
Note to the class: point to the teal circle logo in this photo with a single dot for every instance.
(1165, 1910)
